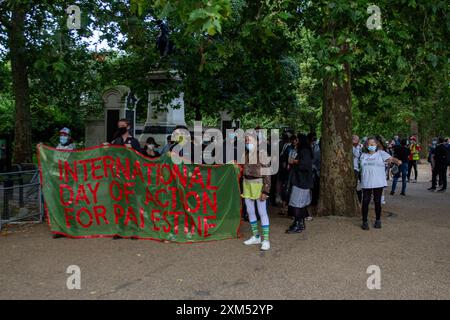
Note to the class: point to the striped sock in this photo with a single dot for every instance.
(265, 230)
(255, 230)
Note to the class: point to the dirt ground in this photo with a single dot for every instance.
(328, 261)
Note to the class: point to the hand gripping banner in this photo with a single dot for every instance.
(112, 190)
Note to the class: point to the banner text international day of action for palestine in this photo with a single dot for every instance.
(106, 191)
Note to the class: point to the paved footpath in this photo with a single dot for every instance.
(328, 261)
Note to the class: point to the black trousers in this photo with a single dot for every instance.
(441, 171)
(412, 164)
(366, 196)
(298, 213)
(358, 178)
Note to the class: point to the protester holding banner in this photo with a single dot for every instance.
(65, 140)
(256, 189)
(124, 138)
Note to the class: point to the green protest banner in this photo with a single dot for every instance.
(112, 190)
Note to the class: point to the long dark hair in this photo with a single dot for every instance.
(303, 143)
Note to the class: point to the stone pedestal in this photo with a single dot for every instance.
(161, 123)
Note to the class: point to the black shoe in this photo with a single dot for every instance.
(58, 236)
(365, 226)
(116, 237)
(431, 189)
(302, 224)
(441, 190)
(294, 228)
(377, 224)
(403, 194)
(392, 193)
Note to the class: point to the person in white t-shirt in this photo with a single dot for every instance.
(373, 179)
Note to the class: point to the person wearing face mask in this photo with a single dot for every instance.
(302, 182)
(373, 179)
(122, 136)
(65, 141)
(151, 148)
(256, 189)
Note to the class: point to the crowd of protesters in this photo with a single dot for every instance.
(295, 187)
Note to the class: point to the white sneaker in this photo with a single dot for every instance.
(309, 218)
(252, 240)
(383, 201)
(265, 245)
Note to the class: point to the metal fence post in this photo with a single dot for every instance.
(7, 192)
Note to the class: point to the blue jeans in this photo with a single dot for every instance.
(403, 170)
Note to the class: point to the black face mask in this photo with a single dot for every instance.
(122, 131)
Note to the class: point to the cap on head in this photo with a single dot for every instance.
(65, 130)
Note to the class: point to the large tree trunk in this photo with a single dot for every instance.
(337, 181)
(22, 135)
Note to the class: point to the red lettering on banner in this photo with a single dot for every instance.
(67, 216)
(175, 219)
(197, 178)
(61, 196)
(148, 197)
(131, 215)
(125, 170)
(166, 230)
(207, 202)
(128, 191)
(95, 168)
(155, 219)
(166, 203)
(100, 212)
(79, 212)
(85, 170)
(137, 171)
(72, 171)
(118, 207)
(81, 195)
(111, 194)
(161, 175)
(208, 181)
(207, 226)
(189, 223)
(108, 163)
(174, 197)
(197, 199)
(149, 167)
(181, 178)
(141, 216)
(94, 191)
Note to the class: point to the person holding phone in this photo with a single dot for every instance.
(151, 148)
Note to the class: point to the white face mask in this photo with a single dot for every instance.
(250, 146)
